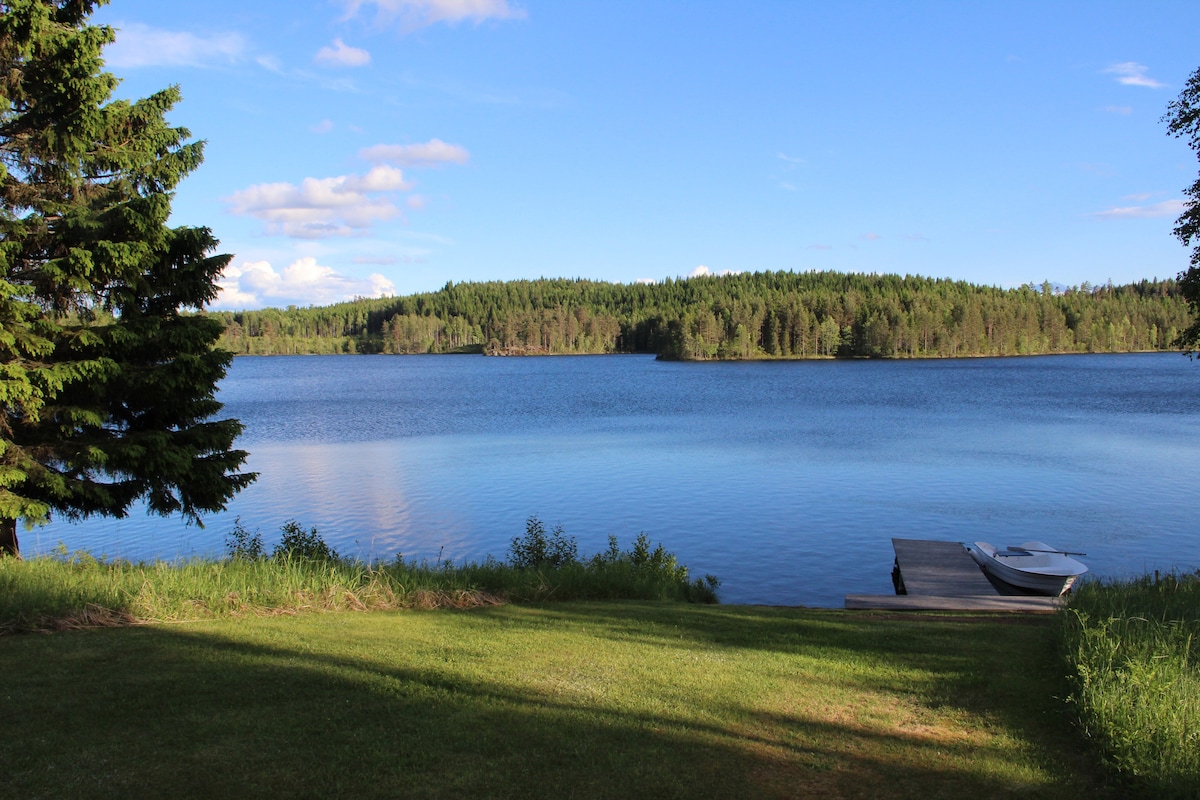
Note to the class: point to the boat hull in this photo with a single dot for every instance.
(1034, 566)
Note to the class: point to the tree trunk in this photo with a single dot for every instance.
(9, 545)
(8, 538)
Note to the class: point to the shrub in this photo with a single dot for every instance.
(242, 544)
(658, 561)
(538, 550)
(703, 590)
(299, 543)
(542, 565)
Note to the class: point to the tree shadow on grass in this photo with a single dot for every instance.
(209, 710)
(1003, 669)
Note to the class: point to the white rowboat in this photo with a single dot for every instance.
(1035, 566)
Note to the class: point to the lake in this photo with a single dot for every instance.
(785, 479)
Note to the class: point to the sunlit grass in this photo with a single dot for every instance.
(56, 593)
(562, 700)
(1134, 652)
(78, 590)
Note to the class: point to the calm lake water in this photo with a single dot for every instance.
(785, 479)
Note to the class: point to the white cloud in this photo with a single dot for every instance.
(346, 205)
(414, 14)
(1167, 208)
(139, 45)
(323, 207)
(304, 282)
(415, 257)
(870, 237)
(1123, 110)
(342, 55)
(432, 153)
(324, 126)
(270, 63)
(1131, 73)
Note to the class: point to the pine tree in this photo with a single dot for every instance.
(1183, 119)
(108, 369)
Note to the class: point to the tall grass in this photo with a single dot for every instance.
(77, 590)
(1133, 650)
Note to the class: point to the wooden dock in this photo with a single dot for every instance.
(942, 576)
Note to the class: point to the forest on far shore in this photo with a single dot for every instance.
(741, 316)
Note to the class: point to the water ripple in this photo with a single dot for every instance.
(787, 480)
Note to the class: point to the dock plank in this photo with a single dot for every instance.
(942, 576)
(942, 569)
(925, 602)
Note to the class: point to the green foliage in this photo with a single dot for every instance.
(750, 315)
(537, 549)
(299, 543)
(703, 590)
(656, 560)
(646, 571)
(81, 591)
(77, 589)
(107, 374)
(242, 544)
(1134, 654)
(1183, 120)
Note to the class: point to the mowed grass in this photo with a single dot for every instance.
(620, 699)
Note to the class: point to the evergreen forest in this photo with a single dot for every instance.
(740, 316)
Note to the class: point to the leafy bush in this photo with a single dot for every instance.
(703, 590)
(70, 590)
(299, 543)
(538, 550)
(657, 561)
(242, 544)
(644, 572)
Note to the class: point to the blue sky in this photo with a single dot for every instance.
(366, 147)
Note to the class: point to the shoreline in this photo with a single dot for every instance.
(766, 358)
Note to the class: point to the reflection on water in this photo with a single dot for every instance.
(786, 479)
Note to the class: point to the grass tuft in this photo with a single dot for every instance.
(71, 590)
(1134, 651)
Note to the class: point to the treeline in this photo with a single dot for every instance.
(749, 315)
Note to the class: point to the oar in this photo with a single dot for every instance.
(1035, 550)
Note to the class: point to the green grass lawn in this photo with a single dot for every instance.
(564, 700)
